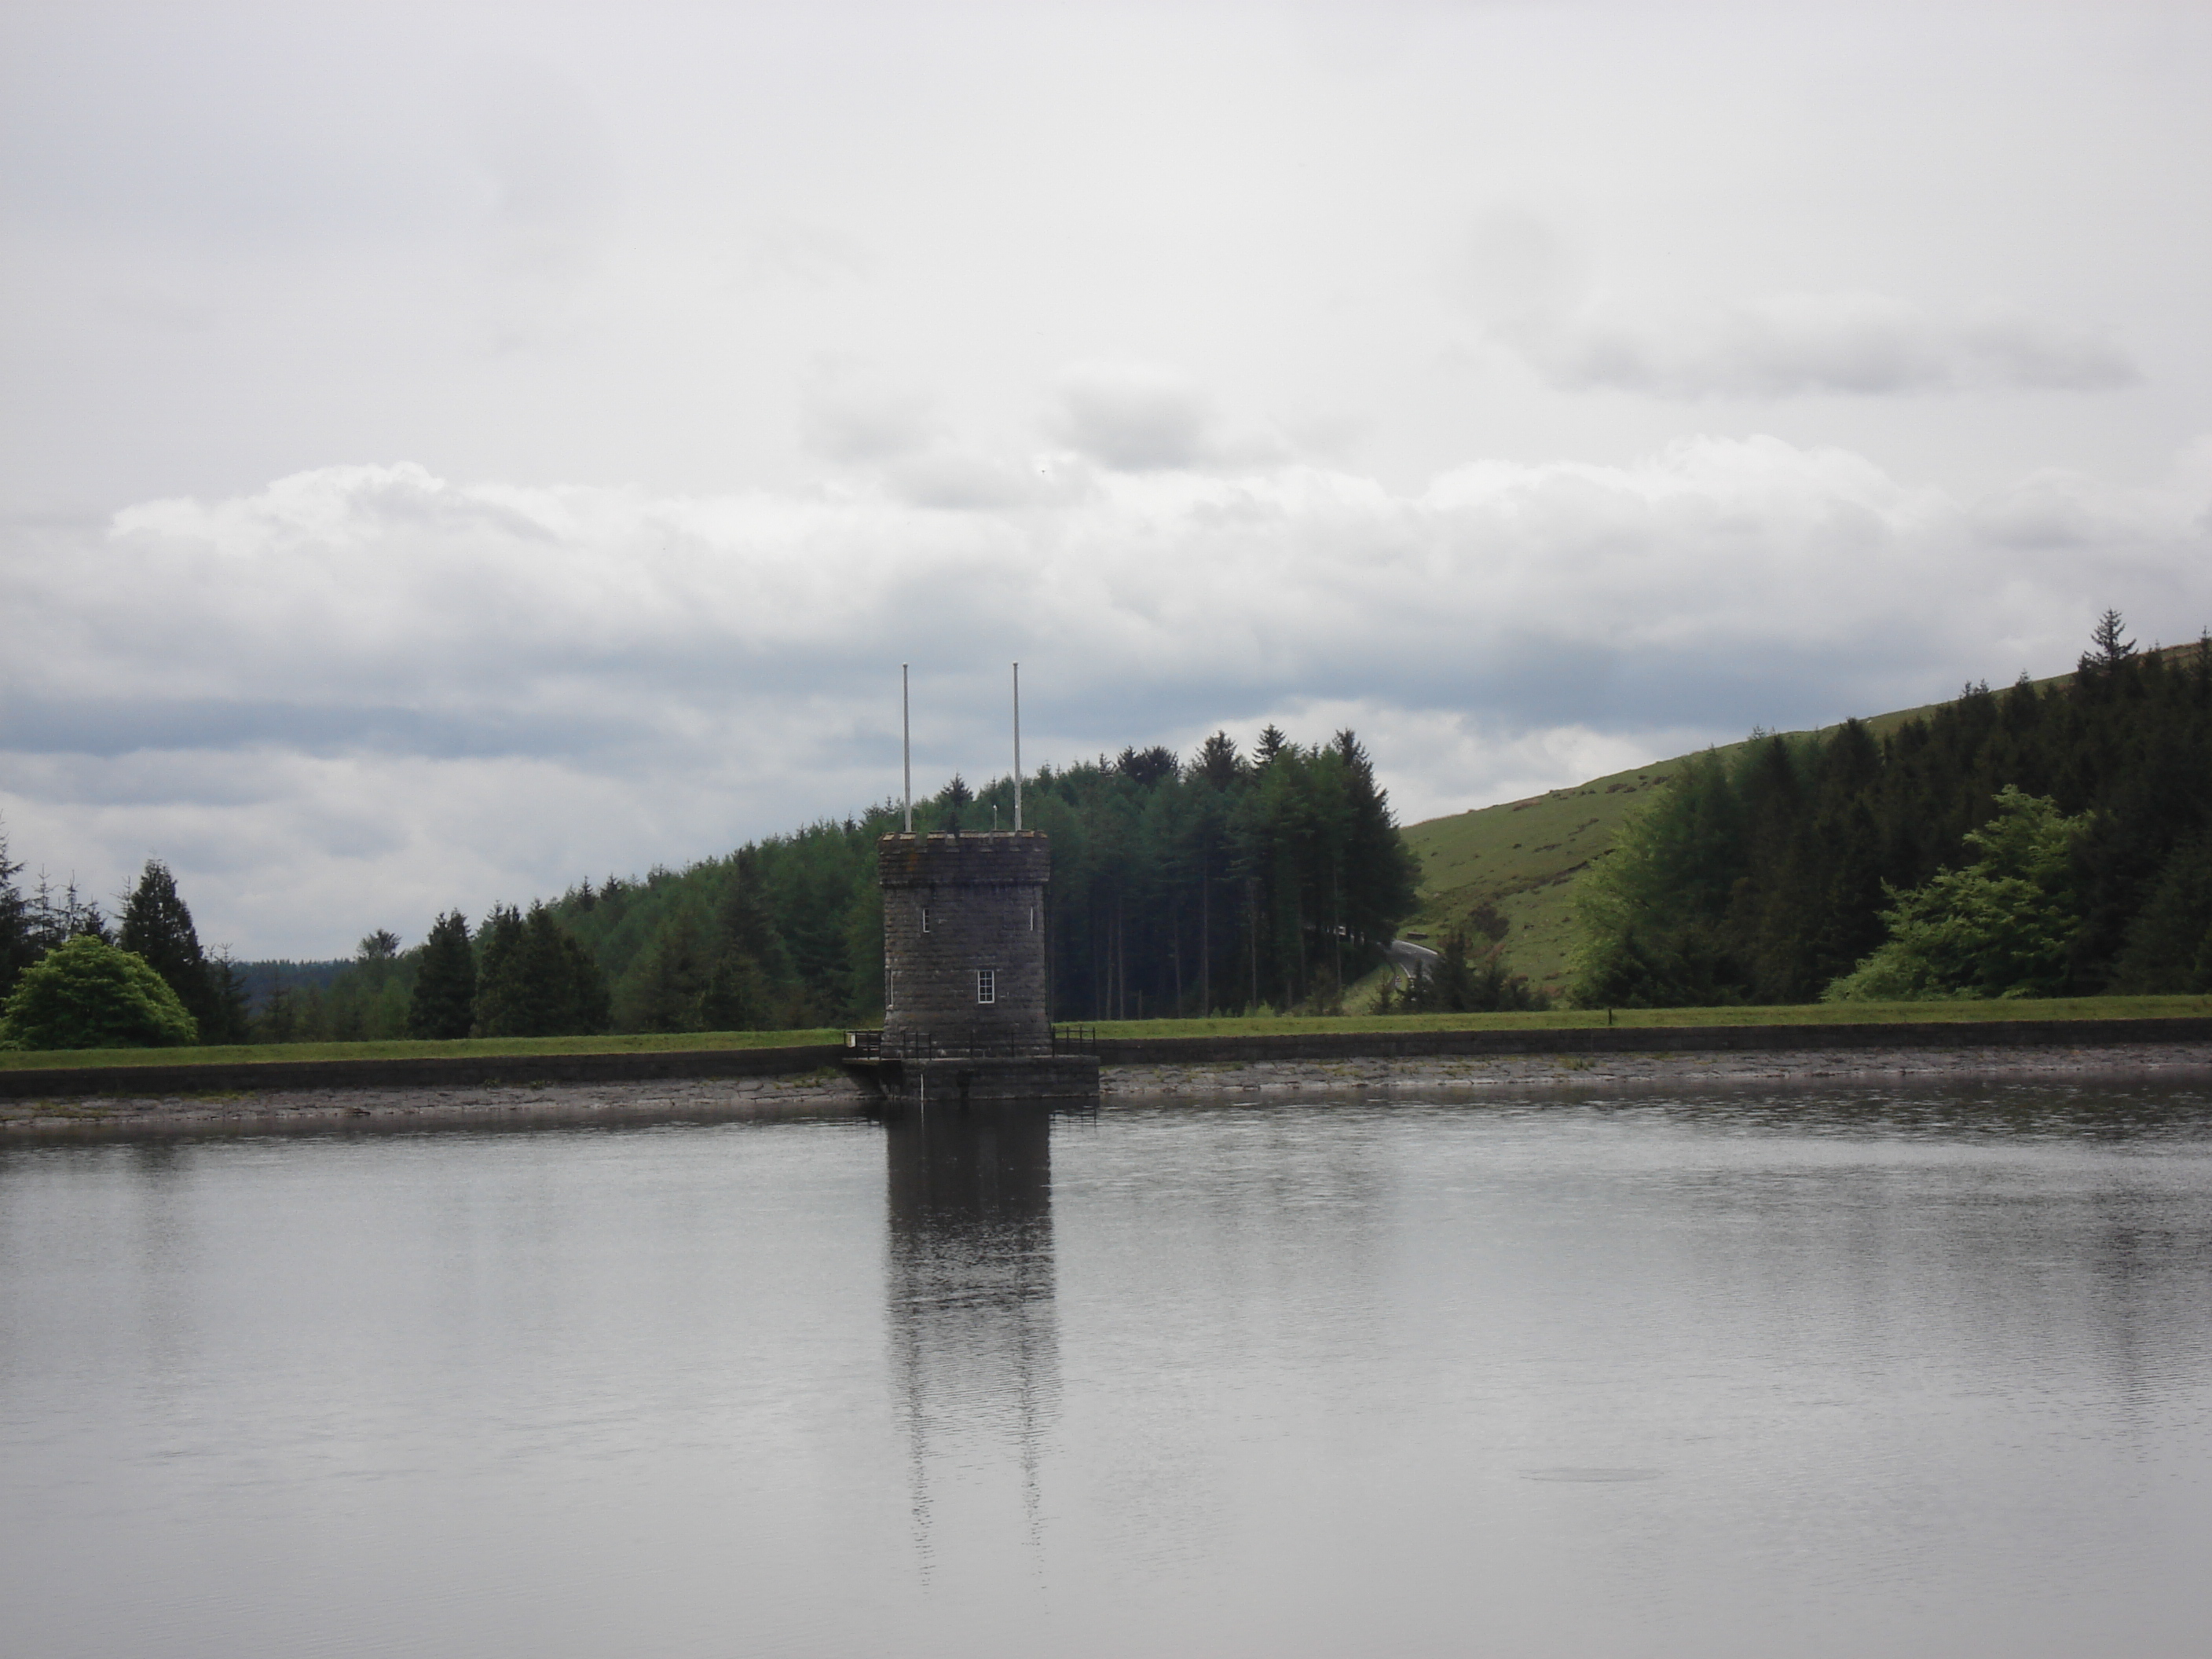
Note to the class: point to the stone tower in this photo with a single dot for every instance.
(964, 942)
(966, 1015)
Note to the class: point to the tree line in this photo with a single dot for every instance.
(2036, 840)
(72, 977)
(1222, 882)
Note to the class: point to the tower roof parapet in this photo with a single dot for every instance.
(992, 857)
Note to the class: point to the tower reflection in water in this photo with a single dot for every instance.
(970, 1284)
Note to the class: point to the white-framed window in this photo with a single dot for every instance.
(987, 985)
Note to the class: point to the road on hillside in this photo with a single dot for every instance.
(1405, 956)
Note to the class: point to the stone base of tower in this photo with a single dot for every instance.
(951, 1083)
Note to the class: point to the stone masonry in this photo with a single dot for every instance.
(965, 940)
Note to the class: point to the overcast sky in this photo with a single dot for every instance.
(453, 450)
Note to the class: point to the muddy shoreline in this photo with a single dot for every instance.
(830, 1094)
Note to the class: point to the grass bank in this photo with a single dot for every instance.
(459, 1048)
(1819, 1014)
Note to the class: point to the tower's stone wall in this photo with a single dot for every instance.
(956, 906)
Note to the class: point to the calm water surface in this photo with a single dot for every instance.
(1756, 1374)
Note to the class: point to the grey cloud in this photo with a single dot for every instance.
(956, 481)
(545, 154)
(1133, 417)
(1142, 417)
(810, 258)
(899, 437)
(419, 679)
(245, 241)
(2067, 513)
(1857, 344)
(846, 424)
(2006, 349)
(552, 186)
(451, 621)
(1516, 269)
(109, 726)
(295, 128)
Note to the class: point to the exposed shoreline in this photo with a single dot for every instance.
(1580, 1070)
(829, 1094)
(486, 1105)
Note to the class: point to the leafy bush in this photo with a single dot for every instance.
(86, 993)
(2000, 927)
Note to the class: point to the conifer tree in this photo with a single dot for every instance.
(1381, 876)
(2169, 945)
(55, 921)
(2108, 649)
(952, 804)
(751, 963)
(278, 1020)
(498, 942)
(1146, 766)
(18, 947)
(156, 926)
(664, 991)
(537, 980)
(737, 997)
(230, 1018)
(443, 1002)
(1218, 760)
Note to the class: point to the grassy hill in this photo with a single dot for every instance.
(1524, 856)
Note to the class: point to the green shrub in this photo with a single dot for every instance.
(2000, 927)
(89, 995)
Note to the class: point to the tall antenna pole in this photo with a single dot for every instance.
(1018, 749)
(906, 743)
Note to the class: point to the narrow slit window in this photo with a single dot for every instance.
(1033, 918)
(890, 989)
(925, 918)
(987, 985)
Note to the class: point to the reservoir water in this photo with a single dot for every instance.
(1845, 1372)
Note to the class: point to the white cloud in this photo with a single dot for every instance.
(364, 692)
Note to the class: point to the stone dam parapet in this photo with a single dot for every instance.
(456, 1071)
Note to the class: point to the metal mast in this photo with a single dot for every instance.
(1018, 749)
(906, 743)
